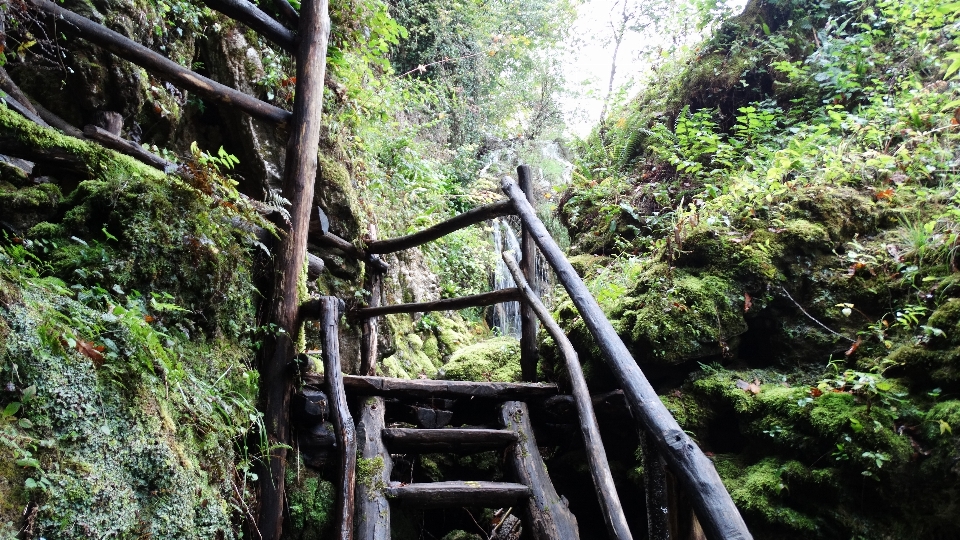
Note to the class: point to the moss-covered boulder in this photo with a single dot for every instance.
(496, 359)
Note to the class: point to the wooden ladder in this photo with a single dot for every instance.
(543, 511)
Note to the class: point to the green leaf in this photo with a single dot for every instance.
(945, 427)
(29, 393)
(11, 409)
(25, 423)
(28, 462)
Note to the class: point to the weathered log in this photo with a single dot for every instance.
(288, 12)
(129, 148)
(340, 415)
(57, 122)
(455, 494)
(616, 522)
(282, 303)
(55, 159)
(372, 521)
(718, 515)
(464, 220)
(315, 266)
(528, 264)
(23, 110)
(426, 388)
(10, 87)
(161, 66)
(655, 488)
(257, 20)
(368, 333)
(449, 304)
(401, 440)
(321, 235)
(547, 516)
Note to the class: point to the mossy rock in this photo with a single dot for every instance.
(311, 505)
(461, 535)
(496, 359)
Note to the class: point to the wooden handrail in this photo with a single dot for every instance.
(466, 219)
(596, 455)
(252, 16)
(696, 474)
(160, 65)
(448, 304)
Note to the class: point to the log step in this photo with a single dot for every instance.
(400, 440)
(455, 494)
(428, 388)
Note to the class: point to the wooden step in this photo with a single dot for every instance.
(429, 388)
(455, 494)
(400, 440)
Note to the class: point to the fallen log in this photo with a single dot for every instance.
(161, 66)
(464, 220)
(606, 491)
(258, 21)
(695, 473)
(372, 520)
(547, 516)
(427, 388)
(449, 304)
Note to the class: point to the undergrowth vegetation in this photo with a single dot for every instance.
(781, 207)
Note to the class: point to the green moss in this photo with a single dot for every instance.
(461, 535)
(495, 359)
(311, 502)
(370, 473)
(761, 492)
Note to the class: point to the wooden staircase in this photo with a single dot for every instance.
(378, 400)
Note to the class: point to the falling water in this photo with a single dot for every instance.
(506, 316)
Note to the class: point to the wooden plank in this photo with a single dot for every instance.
(129, 148)
(455, 494)
(547, 516)
(464, 220)
(257, 20)
(339, 415)
(400, 440)
(528, 263)
(282, 302)
(449, 304)
(718, 515)
(161, 66)
(372, 520)
(596, 455)
(427, 388)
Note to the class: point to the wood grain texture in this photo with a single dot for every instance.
(455, 494)
(372, 519)
(428, 388)
(401, 440)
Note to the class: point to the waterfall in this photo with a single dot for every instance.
(506, 316)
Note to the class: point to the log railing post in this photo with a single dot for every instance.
(330, 309)
(528, 264)
(282, 303)
(368, 339)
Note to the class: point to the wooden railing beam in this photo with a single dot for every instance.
(697, 475)
(257, 20)
(462, 221)
(449, 304)
(161, 66)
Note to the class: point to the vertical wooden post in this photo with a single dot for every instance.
(373, 508)
(368, 339)
(528, 264)
(283, 302)
(330, 308)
